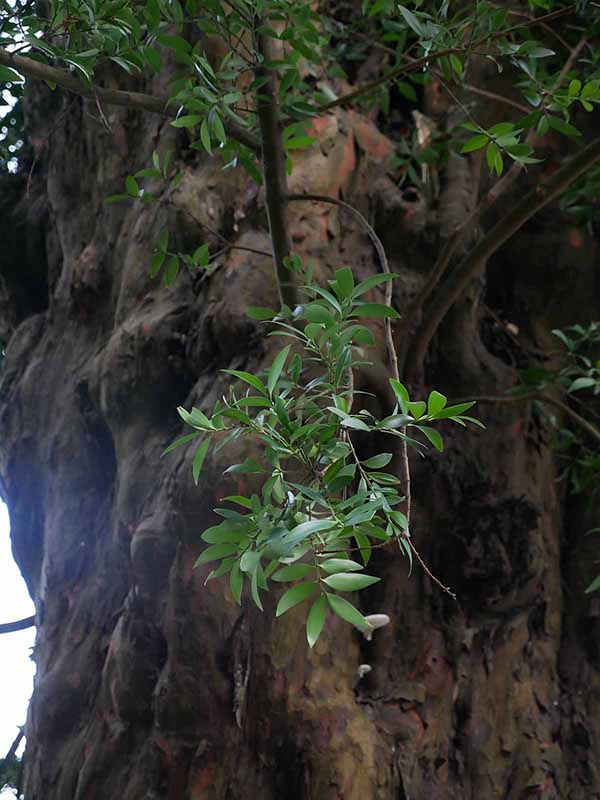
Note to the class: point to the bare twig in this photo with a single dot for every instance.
(18, 625)
(497, 98)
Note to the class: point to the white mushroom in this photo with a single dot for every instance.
(363, 670)
(374, 621)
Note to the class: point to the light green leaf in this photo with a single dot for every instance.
(199, 459)
(205, 139)
(434, 437)
(187, 121)
(401, 393)
(377, 462)
(236, 582)
(347, 611)
(277, 368)
(215, 552)
(293, 572)
(255, 382)
(344, 282)
(594, 585)
(335, 565)
(316, 620)
(436, 403)
(357, 424)
(350, 582)
(297, 594)
(374, 311)
(178, 442)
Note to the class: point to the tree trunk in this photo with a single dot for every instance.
(150, 684)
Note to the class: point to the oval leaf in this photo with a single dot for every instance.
(297, 594)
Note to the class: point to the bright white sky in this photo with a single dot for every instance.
(16, 667)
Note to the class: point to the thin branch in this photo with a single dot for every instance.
(12, 751)
(497, 98)
(134, 100)
(389, 339)
(424, 61)
(18, 625)
(583, 423)
(227, 244)
(474, 262)
(273, 159)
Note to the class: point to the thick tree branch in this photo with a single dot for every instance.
(18, 625)
(134, 100)
(451, 289)
(273, 158)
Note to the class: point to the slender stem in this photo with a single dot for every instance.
(135, 100)
(424, 61)
(389, 338)
(498, 98)
(273, 158)
(583, 423)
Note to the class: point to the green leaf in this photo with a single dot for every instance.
(434, 437)
(306, 529)
(344, 283)
(371, 283)
(411, 20)
(436, 403)
(316, 620)
(199, 459)
(205, 138)
(255, 382)
(297, 594)
(347, 611)
(401, 393)
(178, 442)
(240, 500)
(475, 143)
(376, 462)
(236, 582)
(187, 121)
(355, 423)
(248, 467)
(374, 311)
(215, 552)
(277, 368)
(10, 75)
(559, 124)
(350, 582)
(293, 572)
(131, 185)
(171, 270)
(250, 561)
(417, 408)
(335, 565)
(260, 313)
(594, 585)
(254, 590)
(451, 411)
(582, 383)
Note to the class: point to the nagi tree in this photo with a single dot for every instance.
(407, 195)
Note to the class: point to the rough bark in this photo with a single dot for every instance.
(150, 684)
